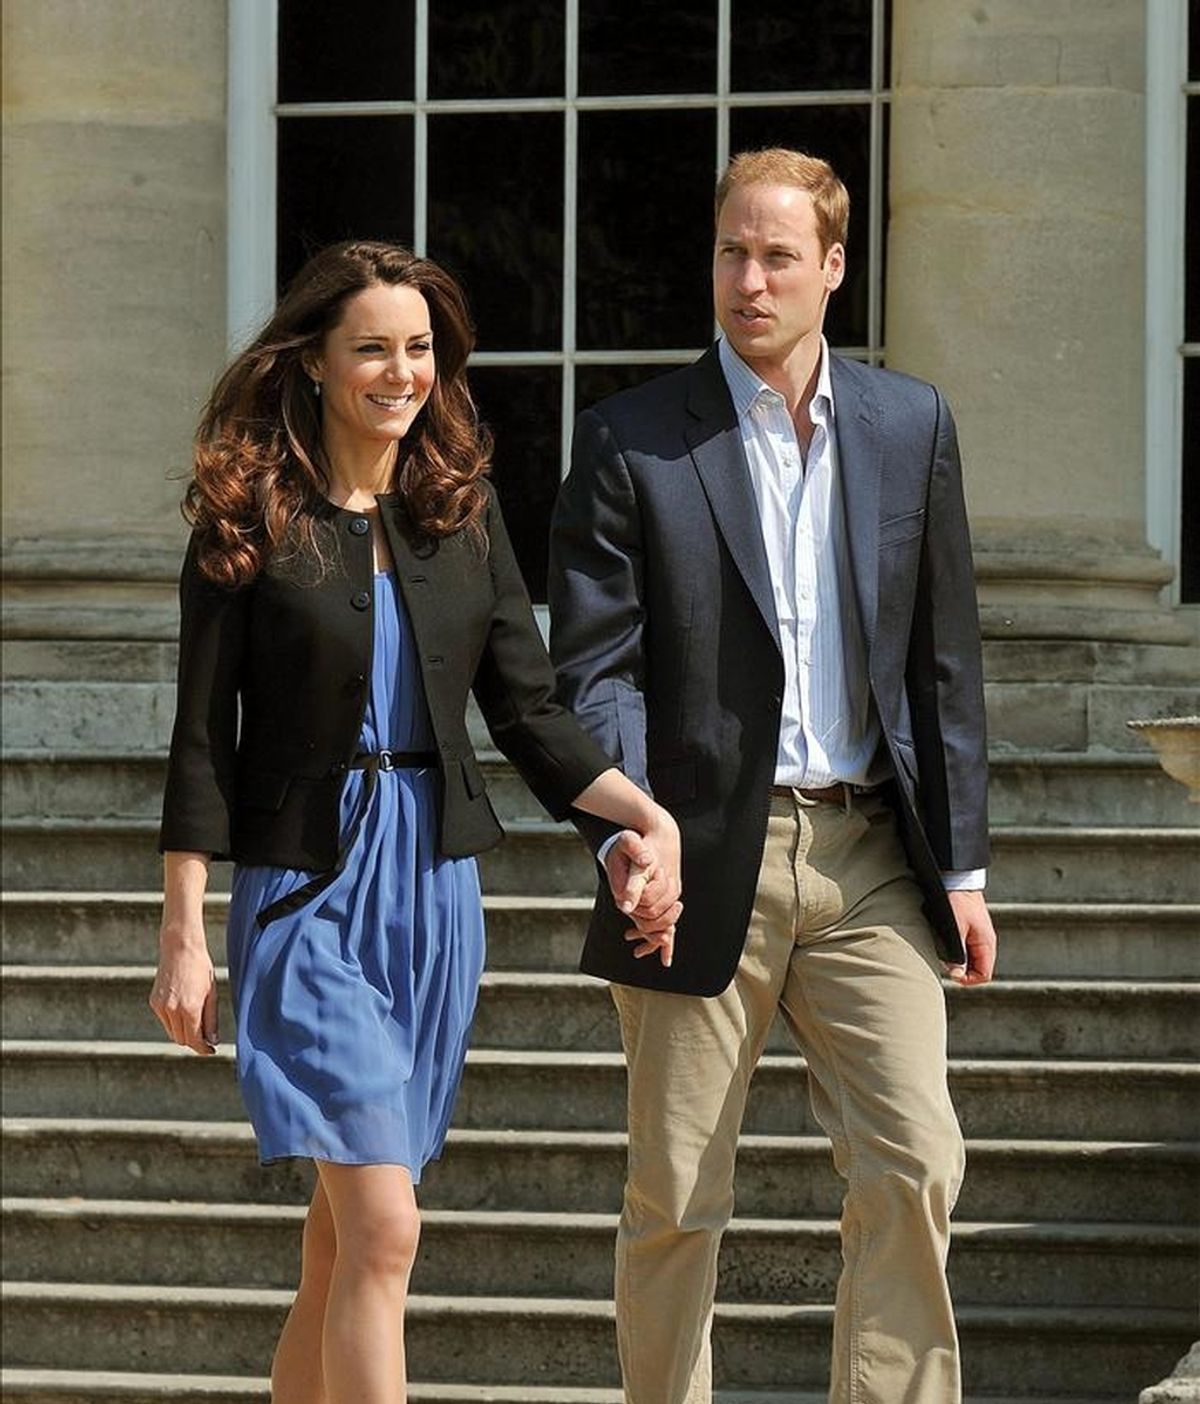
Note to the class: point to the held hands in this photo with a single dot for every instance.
(978, 935)
(184, 996)
(643, 873)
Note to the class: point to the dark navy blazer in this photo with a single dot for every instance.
(664, 634)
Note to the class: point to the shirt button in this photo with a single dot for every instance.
(361, 600)
(360, 526)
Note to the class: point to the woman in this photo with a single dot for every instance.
(348, 580)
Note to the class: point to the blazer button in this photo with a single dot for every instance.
(360, 526)
(361, 600)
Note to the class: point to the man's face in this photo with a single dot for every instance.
(770, 283)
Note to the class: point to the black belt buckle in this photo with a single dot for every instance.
(386, 760)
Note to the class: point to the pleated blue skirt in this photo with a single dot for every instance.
(353, 1012)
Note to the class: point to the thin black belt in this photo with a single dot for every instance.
(371, 762)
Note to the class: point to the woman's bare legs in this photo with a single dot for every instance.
(377, 1226)
(296, 1374)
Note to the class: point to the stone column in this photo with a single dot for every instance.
(113, 254)
(1015, 281)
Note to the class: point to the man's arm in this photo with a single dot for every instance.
(595, 595)
(946, 696)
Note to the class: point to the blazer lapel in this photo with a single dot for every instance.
(860, 464)
(716, 443)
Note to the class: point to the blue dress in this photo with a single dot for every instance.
(353, 1012)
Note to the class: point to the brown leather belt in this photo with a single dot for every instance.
(837, 793)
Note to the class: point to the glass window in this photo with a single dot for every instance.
(1189, 553)
(645, 228)
(496, 219)
(647, 46)
(342, 178)
(596, 382)
(779, 44)
(495, 48)
(571, 192)
(522, 407)
(355, 51)
(1191, 262)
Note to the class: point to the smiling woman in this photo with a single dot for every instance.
(349, 582)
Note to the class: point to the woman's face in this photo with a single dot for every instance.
(376, 367)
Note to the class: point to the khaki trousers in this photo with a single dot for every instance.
(837, 943)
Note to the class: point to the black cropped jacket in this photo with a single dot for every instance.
(273, 685)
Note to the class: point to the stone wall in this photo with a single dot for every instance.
(113, 254)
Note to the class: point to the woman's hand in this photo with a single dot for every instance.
(184, 994)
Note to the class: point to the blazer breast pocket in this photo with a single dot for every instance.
(896, 530)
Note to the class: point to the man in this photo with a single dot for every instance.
(763, 606)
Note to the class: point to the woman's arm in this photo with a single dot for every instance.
(643, 865)
(184, 996)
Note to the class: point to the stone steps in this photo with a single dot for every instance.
(583, 1171)
(1072, 940)
(1069, 1018)
(586, 1091)
(1030, 863)
(543, 1254)
(88, 1387)
(1025, 787)
(557, 1341)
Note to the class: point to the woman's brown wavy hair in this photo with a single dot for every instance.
(259, 474)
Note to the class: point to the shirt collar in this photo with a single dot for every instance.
(746, 385)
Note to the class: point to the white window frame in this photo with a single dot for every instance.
(1167, 90)
(254, 109)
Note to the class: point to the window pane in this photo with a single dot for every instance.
(341, 178)
(841, 136)
(523, 407)
(1189, 545)
(495, 217)
(356, 50)
(647, 46)
(595, 383)
(645, 229)
(495, 48)
(779, 45)
(1191, 236)
(1194, 40)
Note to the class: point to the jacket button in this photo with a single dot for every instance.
(360, 526)
(361, 600)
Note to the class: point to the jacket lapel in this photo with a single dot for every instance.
(860, 465)
(716, 444)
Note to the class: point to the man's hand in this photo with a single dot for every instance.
(643, 874)
(978, 936)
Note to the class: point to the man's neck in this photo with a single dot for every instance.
(795, 376)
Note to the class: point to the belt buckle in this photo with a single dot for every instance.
(387, 761)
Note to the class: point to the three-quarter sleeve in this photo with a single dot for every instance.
(514, 686)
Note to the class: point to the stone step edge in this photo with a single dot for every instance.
(242, 1132)
(1075, 1320)
(564, 981)
(115, 1385)
(1055, 1234)
(147, 1050)
(1067, 834)
(1070, 912)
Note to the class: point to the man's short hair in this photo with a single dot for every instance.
(777, 165)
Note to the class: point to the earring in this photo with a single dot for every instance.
(317, 388)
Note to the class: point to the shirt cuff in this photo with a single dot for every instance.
(602, 851)
(968, 880)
